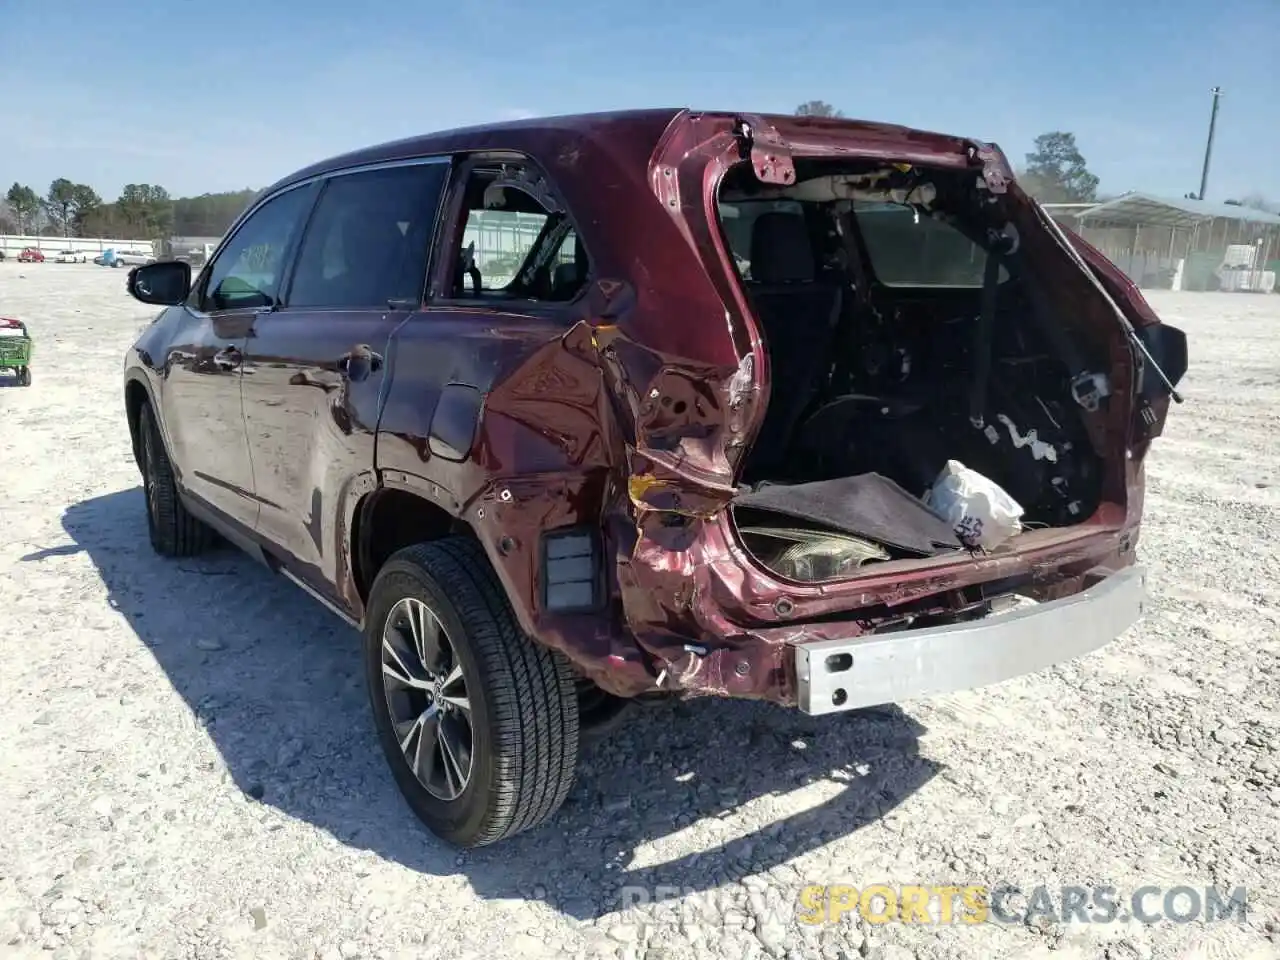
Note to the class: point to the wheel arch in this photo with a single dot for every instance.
(137, 393)
(389, 518)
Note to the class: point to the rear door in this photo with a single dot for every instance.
(201, 392)
(315, 368)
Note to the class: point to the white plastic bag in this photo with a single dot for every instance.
(981, 513)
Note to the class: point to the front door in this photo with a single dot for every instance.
(315, 368)
(204, 417)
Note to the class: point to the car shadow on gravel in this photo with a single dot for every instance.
(277, 682)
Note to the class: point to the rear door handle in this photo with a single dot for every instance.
(228, 358)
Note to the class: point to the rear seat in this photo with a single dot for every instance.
(798, 313)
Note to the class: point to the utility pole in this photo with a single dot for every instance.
(1208, 147)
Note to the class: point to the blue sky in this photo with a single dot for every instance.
(205, 96)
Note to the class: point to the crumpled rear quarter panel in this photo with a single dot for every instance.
(630, 418)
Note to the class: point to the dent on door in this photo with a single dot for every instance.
(311, 397)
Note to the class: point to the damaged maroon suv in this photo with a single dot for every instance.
(567, 412)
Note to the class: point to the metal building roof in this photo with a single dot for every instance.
(1142, 208)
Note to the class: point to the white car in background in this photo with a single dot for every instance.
(71, 256)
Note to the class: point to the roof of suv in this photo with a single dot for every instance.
(631, 136)
(637, 129)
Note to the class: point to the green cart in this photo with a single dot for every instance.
(15, 350)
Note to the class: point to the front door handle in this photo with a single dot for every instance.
(228, 358)
(359, 363)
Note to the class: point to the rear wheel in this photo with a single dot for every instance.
(174, 532)
(24, 376)
(478, 723)
(600, 713)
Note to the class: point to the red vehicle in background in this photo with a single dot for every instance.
(31, 255)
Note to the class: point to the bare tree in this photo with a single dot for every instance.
(817, 108)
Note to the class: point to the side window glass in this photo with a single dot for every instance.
(517, 242)
(247, 272)
(369, 238)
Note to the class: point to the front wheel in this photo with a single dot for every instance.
(478, 723)
(24, 376)
(173, 530)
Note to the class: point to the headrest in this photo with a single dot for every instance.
(780, 249)
(565, 274)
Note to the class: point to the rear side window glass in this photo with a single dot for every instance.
(907, 249)
(368, 241)
(247, 272)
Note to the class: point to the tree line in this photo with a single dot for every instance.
(143, 211)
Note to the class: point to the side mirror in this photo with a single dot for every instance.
(163, 284)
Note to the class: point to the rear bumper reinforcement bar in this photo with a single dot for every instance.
(838, 675)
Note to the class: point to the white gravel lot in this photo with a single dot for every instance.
(188, 767)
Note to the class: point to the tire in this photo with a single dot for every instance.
(520, 742)
(24, 376)
(174, 532)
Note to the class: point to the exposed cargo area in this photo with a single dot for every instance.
(907, 325)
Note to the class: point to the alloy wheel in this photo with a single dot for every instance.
(427, 699)
(149, 472)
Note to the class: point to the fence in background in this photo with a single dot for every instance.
(13, 244)
(1179, 244)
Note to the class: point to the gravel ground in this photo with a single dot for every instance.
(190, 768)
